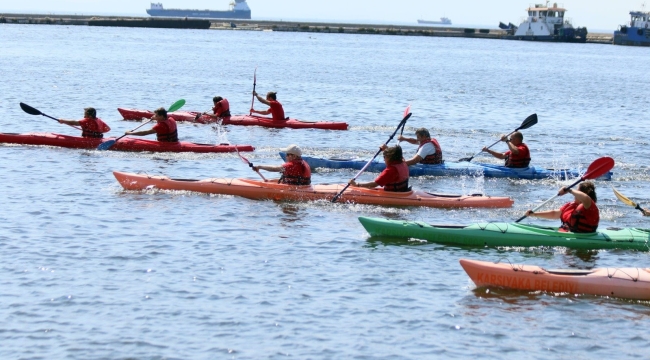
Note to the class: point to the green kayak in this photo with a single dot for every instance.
(509, 234)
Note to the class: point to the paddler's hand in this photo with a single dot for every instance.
(254, 93)
(485, 149)
(400, 138)
(253, 110)
(352, 182)
(646, 212)
(128, 132)
(564, 191)
(383, 147)
(530, 213)
(255, 168)
(504, 138)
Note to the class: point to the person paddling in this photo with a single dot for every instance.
(518, 155)
(581, 215)
(295, 171)
(165, 128)
(275, 109)
(396, 175)
(429, 151)
(221, 108)
(91, 125)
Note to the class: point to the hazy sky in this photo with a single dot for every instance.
(594, 14)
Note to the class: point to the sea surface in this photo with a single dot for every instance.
(89, 271)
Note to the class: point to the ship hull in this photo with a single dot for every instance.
(208, 14)
(632, 36)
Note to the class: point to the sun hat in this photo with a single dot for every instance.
(293, 149)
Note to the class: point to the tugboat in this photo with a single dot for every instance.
(546, 23)
(637, 33)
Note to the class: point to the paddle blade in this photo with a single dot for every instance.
(407, 111)
(106, 145)
(30, 110)
(530, 121)
(598, 168)
(177, 105)
(255, 76)
(465, 159)
(624, 198)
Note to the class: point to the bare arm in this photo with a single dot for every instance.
(140, 133)
(414, 160)
(69, 122)
(408, 140)
(268, 168)
(549, 214)
(368, 185)
(264, 112)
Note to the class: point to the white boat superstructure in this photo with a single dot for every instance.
(543, 20)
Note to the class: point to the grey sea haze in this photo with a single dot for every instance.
(92, 271)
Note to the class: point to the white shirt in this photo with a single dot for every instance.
(426, 150)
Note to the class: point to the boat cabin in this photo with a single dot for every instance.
(156, 6)
(639, 19)
(543, 20)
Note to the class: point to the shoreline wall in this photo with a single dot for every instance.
(264, 25)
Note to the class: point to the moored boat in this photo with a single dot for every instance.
(463, 168)
(547, 23)
(124, 144)
(238, 10)
(629, 283)
(508, 234)
(271, 190)
(443, 21)
(635, 34)
(244, 120)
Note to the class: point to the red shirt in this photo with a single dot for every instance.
(221, 107)
(576, 218)
(276, 110)
(93, 127)
(166, 130)
(520, 160)
(296, 172)
(393, 174)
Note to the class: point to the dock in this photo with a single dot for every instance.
(263, 25)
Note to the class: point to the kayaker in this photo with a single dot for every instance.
(275, 109)
(295, 171)
(429, 151)
(396, 175)
(518, 155)
(581, 215)
(91, 125)
(165, 128)
(221, 108)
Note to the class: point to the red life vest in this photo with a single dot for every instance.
(402, 183)
(520, 160)
(576, 218)
(222, 109)
(93, 128)
(277, 111)
(296, 172)
(435, 158)
(166, 131)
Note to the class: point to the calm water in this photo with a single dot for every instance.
(91, 271)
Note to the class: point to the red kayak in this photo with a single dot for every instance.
(245, 120)
(124, 144)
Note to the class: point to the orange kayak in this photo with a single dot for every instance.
(271, 190)
(629, 283)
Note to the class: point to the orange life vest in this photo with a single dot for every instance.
(435, 158)
(520, 160)
(576, 218)
(402, 184)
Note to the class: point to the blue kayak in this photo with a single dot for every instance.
(451, 169)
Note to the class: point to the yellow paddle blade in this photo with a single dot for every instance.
(623, 198)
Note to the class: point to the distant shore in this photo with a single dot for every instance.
(266, 25)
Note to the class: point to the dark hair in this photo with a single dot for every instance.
(394, 153)
(519, 135)
(217, 99)
(272, 95)
(90, 112)
(422, 132)
(161, 111)
(589, 188)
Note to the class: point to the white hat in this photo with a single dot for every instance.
(293, 149)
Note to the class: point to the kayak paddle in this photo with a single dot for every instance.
(108, 144)
(627, 201)
(407, 115)
(404, 125)
(250, 164)
(254, 83)
(530, 121)
(32, 111)
(597, 169)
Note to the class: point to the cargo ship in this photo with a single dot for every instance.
(443, 21)
(238, 10)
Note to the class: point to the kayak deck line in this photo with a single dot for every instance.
(629, 283)
(260, 190)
